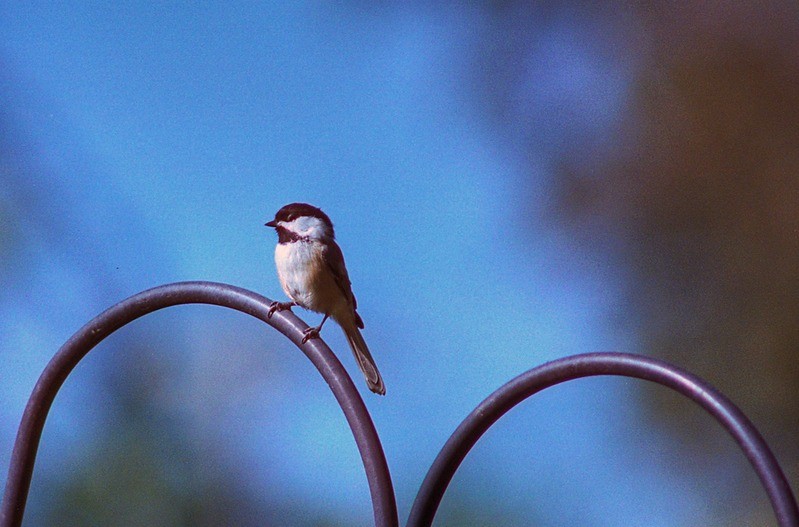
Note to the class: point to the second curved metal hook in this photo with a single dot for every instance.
(592, 364)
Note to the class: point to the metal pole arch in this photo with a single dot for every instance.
(55, 373)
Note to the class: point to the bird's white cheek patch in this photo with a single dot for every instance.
(306, 226)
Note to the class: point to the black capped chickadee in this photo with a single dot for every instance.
(311, 270)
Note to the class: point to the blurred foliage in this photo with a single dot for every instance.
(701, 192)
(704, 200)
(463, 509)
(694, 196)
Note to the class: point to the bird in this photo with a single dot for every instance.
(312, 273)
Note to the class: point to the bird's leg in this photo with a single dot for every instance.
(312, 333)
(278, 306)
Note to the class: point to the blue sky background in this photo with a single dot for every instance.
(160, 140)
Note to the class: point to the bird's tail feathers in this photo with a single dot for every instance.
(365, 361)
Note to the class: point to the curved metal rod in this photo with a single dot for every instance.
(53, 376)
(592, 364)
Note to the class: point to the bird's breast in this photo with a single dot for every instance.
(305, 276)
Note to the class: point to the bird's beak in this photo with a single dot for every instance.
(270, 223)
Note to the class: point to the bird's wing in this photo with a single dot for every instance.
(335, 262)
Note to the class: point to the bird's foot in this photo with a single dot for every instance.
(311, 333)
(278, 306)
